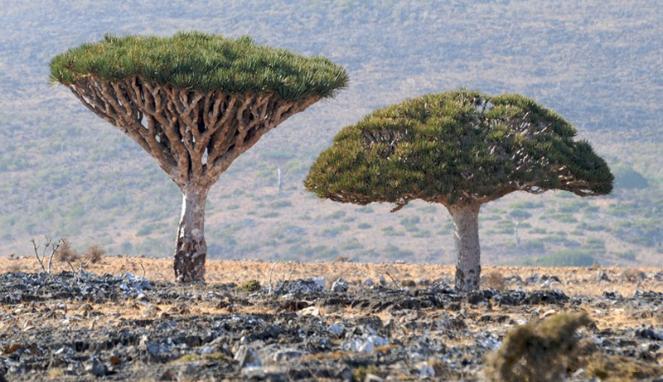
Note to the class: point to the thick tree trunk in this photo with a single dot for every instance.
(466, 236)
(191, 247)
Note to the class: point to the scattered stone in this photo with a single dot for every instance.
(366, 344)
(650, 333)
(287, 355)
(336, 329)
(425, 370)
(309, 311)
(427, 331)
(632, 275)
(268, 373)
(247, 357)
(301, 287)
(602, 276)
(96, 368)
(339, 286)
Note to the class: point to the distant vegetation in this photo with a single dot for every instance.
(67, 174)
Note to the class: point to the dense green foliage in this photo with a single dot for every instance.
(204, 62)
(457, 147)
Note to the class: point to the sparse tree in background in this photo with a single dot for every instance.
(461, 149)
(194, 102)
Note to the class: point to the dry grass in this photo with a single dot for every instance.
(615, 368)
(575, 281)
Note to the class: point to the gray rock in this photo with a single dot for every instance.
(650, 333)
(365, 344)
(602, 276)
(373, 378)
(96, 367)
(336, 329)
(268, 373)
(246, 356)
(287, 355)
(301, 287)
(425, 370)
(160, 351)
(339, 286)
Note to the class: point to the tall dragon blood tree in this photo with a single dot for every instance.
(194, 102)
(461, 149)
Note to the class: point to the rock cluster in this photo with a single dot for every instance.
(127, 328)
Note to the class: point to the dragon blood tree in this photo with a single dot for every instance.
(194, 102)
(461, 149)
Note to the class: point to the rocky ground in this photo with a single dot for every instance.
(82, 325)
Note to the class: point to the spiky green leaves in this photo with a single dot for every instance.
(199, 61)
(457, 147)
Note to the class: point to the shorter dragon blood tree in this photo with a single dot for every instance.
(461, 149)
(194, 102)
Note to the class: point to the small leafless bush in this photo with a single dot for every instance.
(48, 251)
(65, 253)
(633, 275)
(408, 283)
(494, 280)
(94, 254)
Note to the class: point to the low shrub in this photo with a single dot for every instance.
(65, 253)
(538, 351)
(250, 286)
(616, 368)
(94, 254)
(493, 280)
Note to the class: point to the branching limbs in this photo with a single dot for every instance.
(193, 135)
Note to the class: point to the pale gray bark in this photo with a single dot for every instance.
(191, 246)
(466, 237)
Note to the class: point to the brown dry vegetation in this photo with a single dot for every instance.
(576, 281)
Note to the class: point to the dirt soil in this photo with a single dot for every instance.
(125, 319)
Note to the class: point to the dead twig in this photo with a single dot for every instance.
(41, 258)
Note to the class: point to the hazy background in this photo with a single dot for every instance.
(65, 172)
